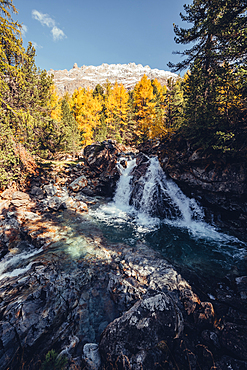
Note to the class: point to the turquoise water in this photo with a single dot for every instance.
(185, 239)
(199, 247)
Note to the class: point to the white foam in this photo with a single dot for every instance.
(190, 215)
(12, 259)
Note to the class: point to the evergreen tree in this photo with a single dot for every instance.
(71, 134)
(215, 58)
(24, 93)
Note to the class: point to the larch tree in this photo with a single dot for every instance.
(116, 112)
(144, 109)
(86, 110)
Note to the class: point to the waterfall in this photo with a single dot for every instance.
(146, 200)
(123, 191)
(146, 194)
(157, 195)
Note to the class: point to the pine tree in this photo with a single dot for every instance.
(215, 59)
(24, 93)
(71, 139)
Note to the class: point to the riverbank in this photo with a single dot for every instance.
(134, 306)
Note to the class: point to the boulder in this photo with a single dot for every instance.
(50, 190)
(91, 355)
(78, 184)
(101, 159)
(7, 194)
(55, 203)
(234, 340)
(135, 336)
(37, 192)
(20, 199)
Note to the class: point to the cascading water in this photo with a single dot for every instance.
(150, 207)
(160, 195)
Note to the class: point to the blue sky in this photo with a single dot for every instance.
(92, 32)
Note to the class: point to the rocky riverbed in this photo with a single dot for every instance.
(103, 305)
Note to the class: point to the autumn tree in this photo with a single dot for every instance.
(144, 108)
(86, 110)
(116, 112)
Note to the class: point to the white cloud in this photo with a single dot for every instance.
(46, 20)
(57, 33)
(23, 30)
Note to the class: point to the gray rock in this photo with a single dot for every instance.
(78, 184)
(55, 203)
(241, 283)
(50, 190)
(9, 344)
(37, 192)
(132, 336)
(91, 352)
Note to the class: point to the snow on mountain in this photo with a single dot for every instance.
(90, 76)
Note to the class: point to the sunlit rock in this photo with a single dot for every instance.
(78, 184)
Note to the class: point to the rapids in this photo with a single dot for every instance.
(181, 235)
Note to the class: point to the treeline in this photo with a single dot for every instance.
(215, 88)
(24, 97)
(148, 111)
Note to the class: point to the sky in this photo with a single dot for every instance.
(92, 32)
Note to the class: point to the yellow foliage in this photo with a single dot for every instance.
(116, 108)
(144, 108)
(54, 106)
(86, 111)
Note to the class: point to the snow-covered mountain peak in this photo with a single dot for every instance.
(89, 76)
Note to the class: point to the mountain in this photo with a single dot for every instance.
(90, 76)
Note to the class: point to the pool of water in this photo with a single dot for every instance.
(197, 246)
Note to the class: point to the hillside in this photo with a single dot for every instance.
(90, 76)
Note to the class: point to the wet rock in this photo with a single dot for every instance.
(9, 344)
(78, 184)
(133, 336)
(123, 163)
(211, 339)
(241, 283)
(228, 363)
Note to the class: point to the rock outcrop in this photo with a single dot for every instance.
(90, 76)
(219, 185)
(100, 304)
